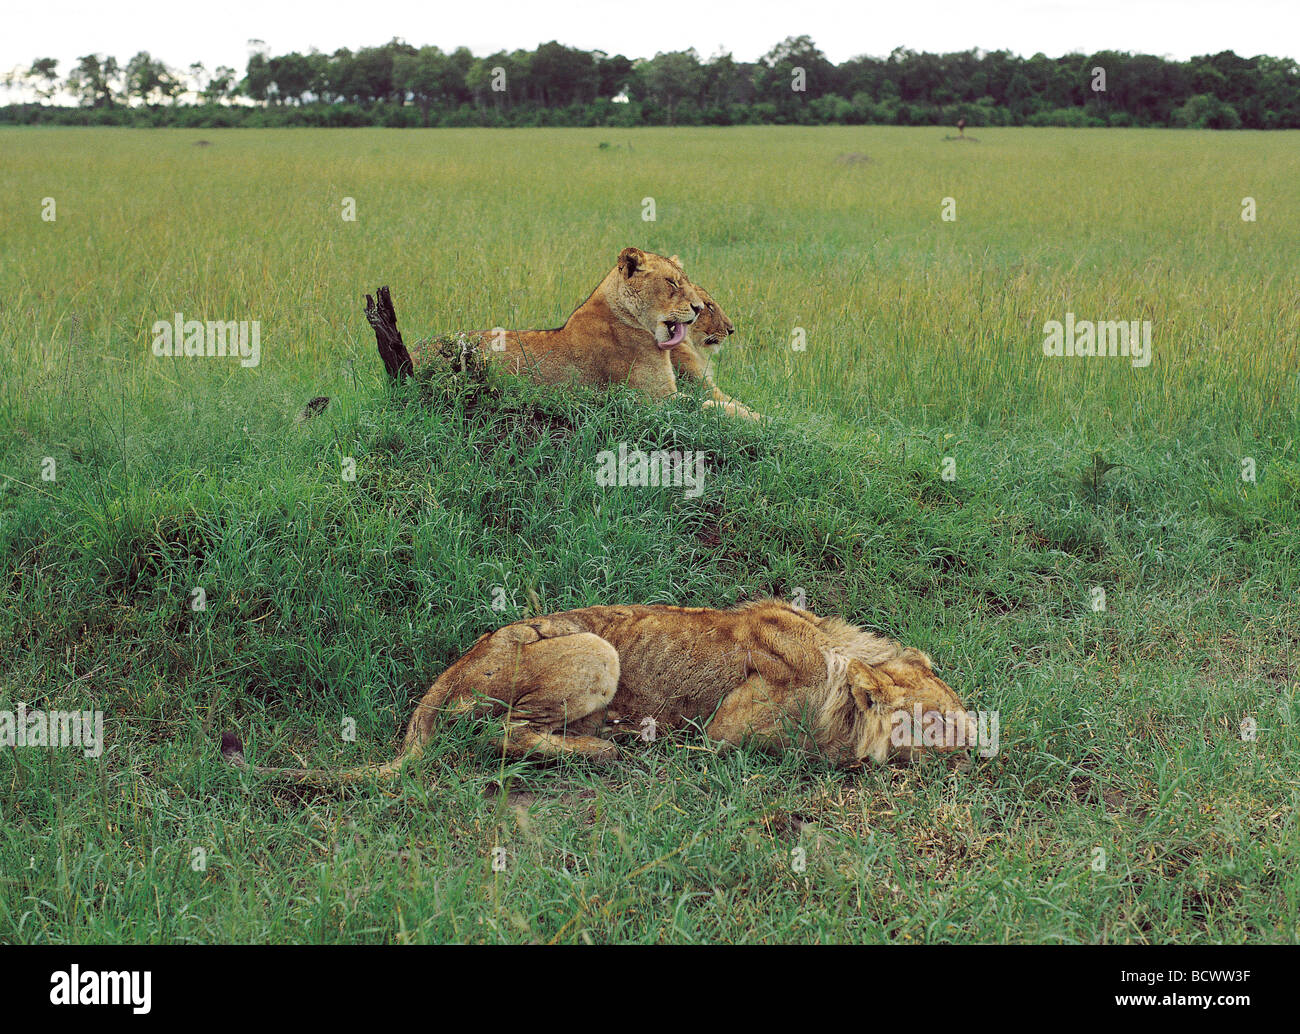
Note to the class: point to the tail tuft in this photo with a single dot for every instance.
(316, 405)
(232, 750)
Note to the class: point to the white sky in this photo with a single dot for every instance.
(179, 33)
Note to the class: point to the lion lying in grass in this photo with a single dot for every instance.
(638, 327)
(765, 673)
(693, 358)
(622, 334)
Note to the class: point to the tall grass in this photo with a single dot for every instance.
(330, 599)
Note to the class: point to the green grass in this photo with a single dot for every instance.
(330, 599)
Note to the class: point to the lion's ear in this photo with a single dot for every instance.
(676, 261)
(630, 260)
(862, 697)
(864, 685)
(914, 656)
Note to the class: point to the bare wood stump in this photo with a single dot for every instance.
(392, 350)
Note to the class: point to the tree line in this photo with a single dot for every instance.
(398, 84)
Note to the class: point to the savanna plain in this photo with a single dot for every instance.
(1106, 555)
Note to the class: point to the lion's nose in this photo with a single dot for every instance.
(697, 308)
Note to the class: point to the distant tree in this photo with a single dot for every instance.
(774, 75)
(1275, 99)
(1205, 112)
(422, 76)
(482, 80)
(319, 71)
(612, 74)
(371, 72)
(94, 81)
(291, 75)
(220, 85)
(1019, 95)
(148, 79)
(43, 77)
(562, 75)
(18, 79)
(14, 79)
(170, 85)
(919, 75)
(461, 60)
(862, 75)
(257, 82)
(198, 77)
(724, 82)
(670, 78)
(556, 84)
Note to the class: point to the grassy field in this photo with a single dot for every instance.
(927, 471)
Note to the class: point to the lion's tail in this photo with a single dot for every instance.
(232, 752)
(418, 732)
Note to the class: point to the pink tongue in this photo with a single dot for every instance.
(678, 335)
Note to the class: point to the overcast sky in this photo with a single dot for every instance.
(218, 33)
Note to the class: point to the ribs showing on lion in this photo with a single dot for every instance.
(765, 673)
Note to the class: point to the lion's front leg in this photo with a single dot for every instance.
(730, 406)
(759, 712)
(653, 376)
(525, 741)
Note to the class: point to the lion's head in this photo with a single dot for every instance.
(893, 709)
(653, 293)
(712, 327)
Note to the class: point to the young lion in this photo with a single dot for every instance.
(694, 357)
(764, 672)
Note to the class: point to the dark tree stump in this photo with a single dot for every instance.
(381, 315)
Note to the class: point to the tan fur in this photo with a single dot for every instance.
(694, 357)
(765, 672)
(614, 337)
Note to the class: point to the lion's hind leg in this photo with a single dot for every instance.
(560, 693)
